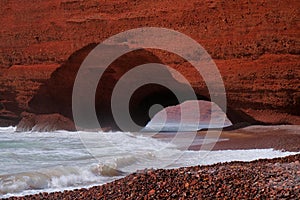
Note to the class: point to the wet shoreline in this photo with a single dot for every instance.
(265, 178)
(230, 179)
(281, 137)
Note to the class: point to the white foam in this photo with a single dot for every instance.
(46, 162)
(259, 128)
(213, 157)
(8, 129)
(57, 178)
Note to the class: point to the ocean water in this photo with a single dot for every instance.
(33, 162)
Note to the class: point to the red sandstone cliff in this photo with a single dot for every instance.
(254, 44)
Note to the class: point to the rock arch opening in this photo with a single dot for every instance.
(55, 96)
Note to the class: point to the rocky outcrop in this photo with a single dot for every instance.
(18, 84)
(252, 102)
(44, 123)
(55, 96)
(254, 44)
(191, 120)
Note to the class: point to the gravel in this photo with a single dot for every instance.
(262, 179)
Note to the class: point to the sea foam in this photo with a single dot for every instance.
(55, 161)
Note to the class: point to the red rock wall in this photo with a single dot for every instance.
(254, 43)
(37, 31)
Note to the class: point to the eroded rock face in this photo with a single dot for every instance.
(18, 85)
(55, 96)
(257, 93)
(228, 29)
(254, 44)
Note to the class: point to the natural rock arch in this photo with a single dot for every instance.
(55, 96)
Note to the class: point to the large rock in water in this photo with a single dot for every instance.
(44, 123)
(194, 115)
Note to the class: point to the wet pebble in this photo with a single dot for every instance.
(263, 179)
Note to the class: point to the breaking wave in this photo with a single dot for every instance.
(55, 161)
(57, 178)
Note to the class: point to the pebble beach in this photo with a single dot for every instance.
(262, 179)
(277, 178)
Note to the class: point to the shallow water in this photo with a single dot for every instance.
(33, 162)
